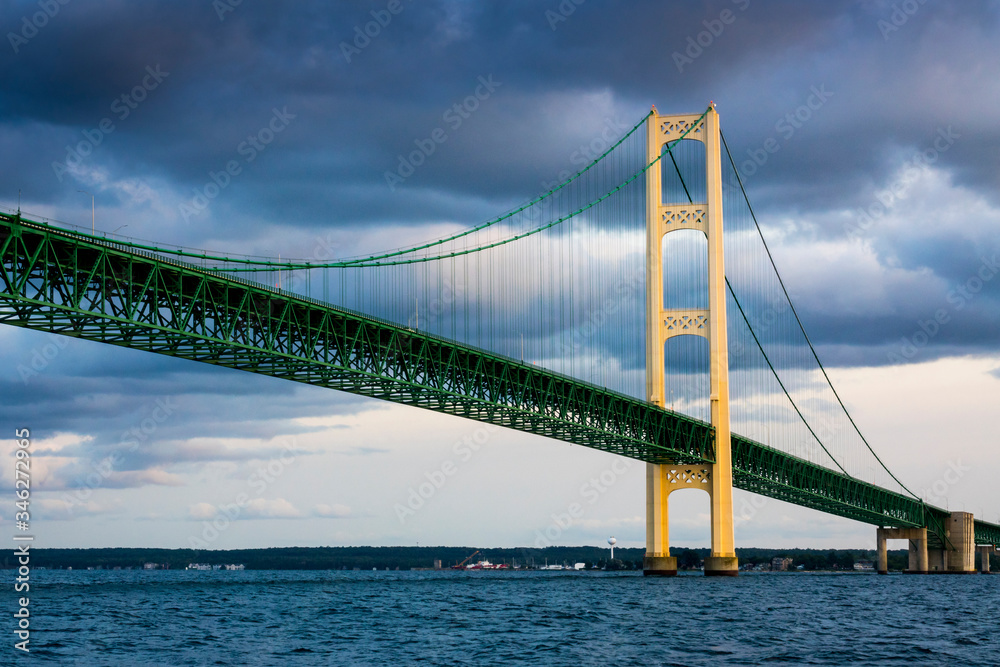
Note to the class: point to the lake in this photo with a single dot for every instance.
(499, 618)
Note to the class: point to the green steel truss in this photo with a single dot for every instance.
(775, 474)
(70, 284)
(987, 533)
(63, 283)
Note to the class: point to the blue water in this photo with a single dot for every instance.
(498, 618)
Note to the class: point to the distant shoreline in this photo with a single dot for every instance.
(424, 558)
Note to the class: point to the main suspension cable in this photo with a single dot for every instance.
(799, 320)
(759, 345)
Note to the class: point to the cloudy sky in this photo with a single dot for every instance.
(870, 142)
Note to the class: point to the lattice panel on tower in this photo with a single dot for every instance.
(674, 127)
(685, 322)
(689, 476)
(674, 217)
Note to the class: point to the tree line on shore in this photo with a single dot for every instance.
(405, 558)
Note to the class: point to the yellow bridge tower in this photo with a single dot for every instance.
(663, 323)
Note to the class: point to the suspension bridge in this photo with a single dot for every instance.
(610, 311)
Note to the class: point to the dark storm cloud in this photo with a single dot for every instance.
(225, 76)
(353, 119)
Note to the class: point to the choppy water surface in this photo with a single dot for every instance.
(485, 618)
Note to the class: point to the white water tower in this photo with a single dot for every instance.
(612, 541)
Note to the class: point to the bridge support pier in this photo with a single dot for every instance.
(938, 561)
(663, 323)
(958, 556)
(960, 531)
(917, 538)
(984, 557)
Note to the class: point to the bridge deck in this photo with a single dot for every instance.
(61, 282)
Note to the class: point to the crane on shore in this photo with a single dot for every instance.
(462, 564)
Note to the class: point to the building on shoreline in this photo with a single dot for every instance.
(780, 564)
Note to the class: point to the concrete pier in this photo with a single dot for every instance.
(659, 566)
(722, 566)
(957, 557)
(917, 538)
(984, 555)
(961, 534)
